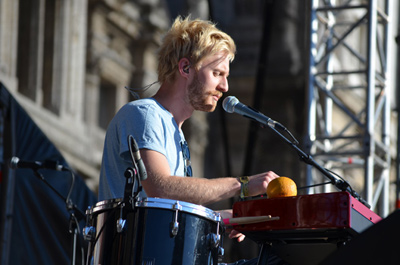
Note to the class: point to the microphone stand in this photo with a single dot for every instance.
(75, 213)
(132, 175)
(340, 183)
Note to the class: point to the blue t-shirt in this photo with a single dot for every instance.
(153, 127)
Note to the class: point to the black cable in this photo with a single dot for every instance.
(314, 185)
(67, 200)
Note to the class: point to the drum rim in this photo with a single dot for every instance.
(104, 205)
(160, 203)
(154, 202)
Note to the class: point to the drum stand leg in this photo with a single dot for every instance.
(264, 253)
(73, 229)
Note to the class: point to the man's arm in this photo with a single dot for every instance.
(202, 191)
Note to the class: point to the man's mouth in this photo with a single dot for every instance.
(217, 96)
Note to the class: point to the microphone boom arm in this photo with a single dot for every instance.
(339, 183)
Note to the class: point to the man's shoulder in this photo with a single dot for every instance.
(144, 102)
(140, 106)
(143, 110)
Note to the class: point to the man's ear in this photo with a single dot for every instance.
(186, 69)
(184, 66)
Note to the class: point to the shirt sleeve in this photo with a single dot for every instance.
(145, 125)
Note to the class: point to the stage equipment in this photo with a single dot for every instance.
(153, 231)
(309, 227)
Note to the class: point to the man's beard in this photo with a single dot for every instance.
(198, 98)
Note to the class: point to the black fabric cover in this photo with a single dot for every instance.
(40, 219)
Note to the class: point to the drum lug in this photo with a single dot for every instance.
(89, 233)
(221, 253)
(215, 243)
(214, 240)
(121, 222)
(174, 228)
(175, 224)
(120, 225)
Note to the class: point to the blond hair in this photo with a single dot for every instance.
(194, 40)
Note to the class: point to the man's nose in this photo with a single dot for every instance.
(223, 85)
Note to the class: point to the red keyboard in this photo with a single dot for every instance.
(307, 224)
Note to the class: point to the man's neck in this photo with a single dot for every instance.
(173, 99)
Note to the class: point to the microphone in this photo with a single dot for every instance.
(231, 104)
(137, 158)
(15, 163)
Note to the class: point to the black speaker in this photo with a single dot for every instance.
(379, 244)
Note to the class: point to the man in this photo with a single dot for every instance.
(193, 69)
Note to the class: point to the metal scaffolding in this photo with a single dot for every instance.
(348, 89)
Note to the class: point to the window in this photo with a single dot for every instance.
(107, 103)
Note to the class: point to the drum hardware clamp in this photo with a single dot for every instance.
(215, 239)
(121, 222)
(221, 253)
(89, 232)
(175, 224)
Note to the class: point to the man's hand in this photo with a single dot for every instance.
(225, 214)
(258, 183)
(235, 234)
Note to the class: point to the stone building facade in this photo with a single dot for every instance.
(67, 63)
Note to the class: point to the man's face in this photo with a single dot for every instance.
(209, 82)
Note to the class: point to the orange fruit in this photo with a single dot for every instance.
(281, 187)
